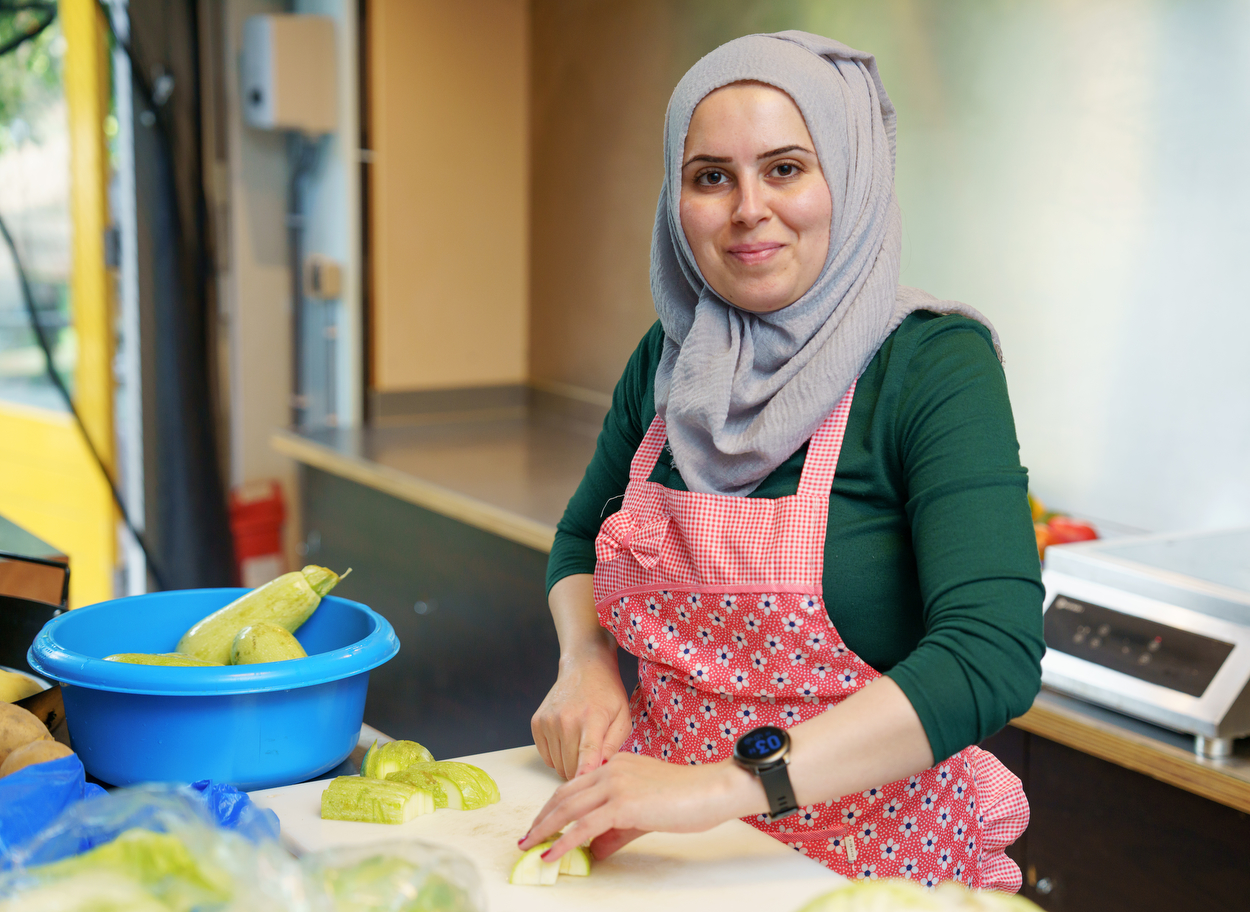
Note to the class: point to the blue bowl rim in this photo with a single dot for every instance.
(47, 657)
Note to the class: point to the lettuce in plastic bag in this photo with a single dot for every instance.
(98, 891)
(408, 876)
(156, 849)
(160, 862)
(164, 849)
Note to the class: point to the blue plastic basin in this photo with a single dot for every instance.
(253, 726)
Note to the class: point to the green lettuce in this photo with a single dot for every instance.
(143, 869)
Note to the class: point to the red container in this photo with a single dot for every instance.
(257, 512)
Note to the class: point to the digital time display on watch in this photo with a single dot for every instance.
(764, 752)
(761, 743)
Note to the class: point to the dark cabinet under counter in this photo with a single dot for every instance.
(1103, 838)
(478, 650)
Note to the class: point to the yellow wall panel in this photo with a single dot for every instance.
(49, 483)
(50, 486)
(87, 94)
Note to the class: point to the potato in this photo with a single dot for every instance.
(30, 754)
(18, 728)
(14, 687)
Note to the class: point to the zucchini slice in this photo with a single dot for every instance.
(374, 800)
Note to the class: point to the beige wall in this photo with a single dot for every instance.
(448, 195)
(602, 76)
(603, 72)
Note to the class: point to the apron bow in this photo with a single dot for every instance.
(623, 532)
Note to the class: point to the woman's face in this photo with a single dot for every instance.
(755, 206)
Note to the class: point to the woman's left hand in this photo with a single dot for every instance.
(632, 794)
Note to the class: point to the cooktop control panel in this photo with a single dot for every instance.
(1149, 650)
(1157, 660)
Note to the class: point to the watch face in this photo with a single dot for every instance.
(762, 745)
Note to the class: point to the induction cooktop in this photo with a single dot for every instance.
(1156, 627)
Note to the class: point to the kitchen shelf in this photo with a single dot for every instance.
(510, 474)
(1139, 746)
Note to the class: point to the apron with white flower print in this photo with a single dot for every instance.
(721, 600)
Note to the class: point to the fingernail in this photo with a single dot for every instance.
(605, 762)
(525, 837)
(545, 854)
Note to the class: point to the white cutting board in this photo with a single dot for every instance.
(732, 867)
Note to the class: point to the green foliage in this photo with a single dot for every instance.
(30, 75)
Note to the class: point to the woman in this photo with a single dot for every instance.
(809, 477)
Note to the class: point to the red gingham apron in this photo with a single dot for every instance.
(721, 600)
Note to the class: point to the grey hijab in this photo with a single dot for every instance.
(740, 392)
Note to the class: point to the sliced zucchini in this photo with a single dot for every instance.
(374, 800)
(530, 869)
(435, 785)
(576, 862)
(381, 760)
(468, 787)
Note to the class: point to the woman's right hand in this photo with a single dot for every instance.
(585, 718)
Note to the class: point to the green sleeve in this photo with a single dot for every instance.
(977, 665)
(602, 487)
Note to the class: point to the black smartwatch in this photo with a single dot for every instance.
(765, 751)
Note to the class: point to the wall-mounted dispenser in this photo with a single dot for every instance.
(289, 76)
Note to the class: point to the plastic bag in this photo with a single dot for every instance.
(156, 806)
(160, 848)
(407, 876)
(154, 848)
(33, 797)
(233, 810)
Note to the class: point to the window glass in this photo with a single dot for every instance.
(34, 202)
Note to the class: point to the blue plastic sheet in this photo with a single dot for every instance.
(233, 810)
(33, 797)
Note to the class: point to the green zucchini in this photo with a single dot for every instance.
(161, 658)
(286, 601)
(264, 642)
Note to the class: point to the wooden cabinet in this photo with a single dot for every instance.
(1102, 838)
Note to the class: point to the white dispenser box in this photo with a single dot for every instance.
(289, 73)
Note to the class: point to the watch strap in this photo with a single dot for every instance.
(776, 782)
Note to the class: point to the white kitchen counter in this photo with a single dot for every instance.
(732, 867)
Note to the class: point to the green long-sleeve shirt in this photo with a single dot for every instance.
(931, 572)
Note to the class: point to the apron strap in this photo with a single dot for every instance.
(824, 448)
(818, 468)
(648, 453)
